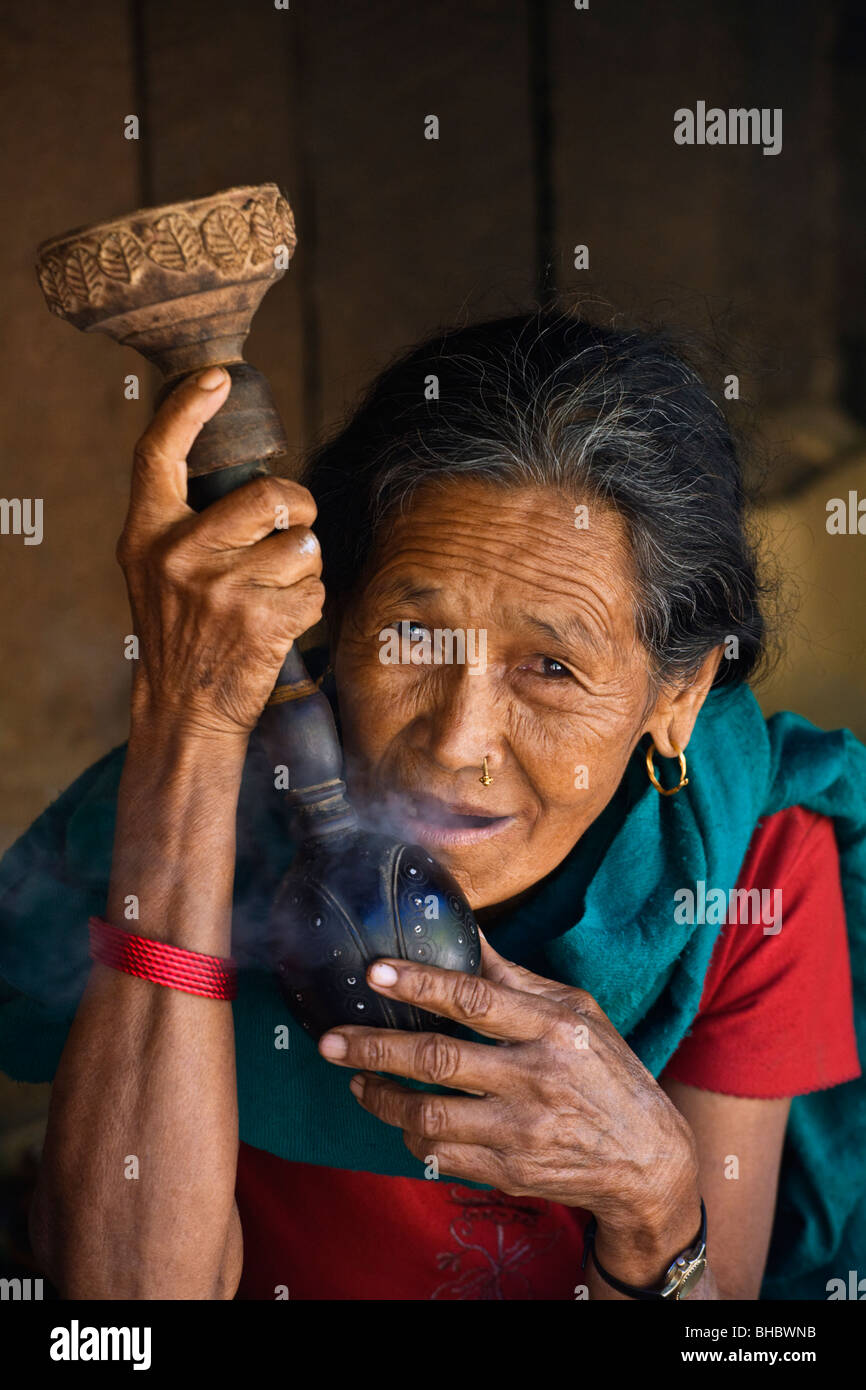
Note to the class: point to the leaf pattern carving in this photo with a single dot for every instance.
(83, 276)
(176, 244)
(286, 221)
(119, 256)
(54, 286)
(226, 236)
(265, 233)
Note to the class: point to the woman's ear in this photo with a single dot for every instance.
(673, 716)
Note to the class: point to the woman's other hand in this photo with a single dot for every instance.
(563, 1110)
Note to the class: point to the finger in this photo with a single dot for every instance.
(494, 1009)
(505, 972)
(251, 512)
(473, 1162)
(283, 559)
(158, 491)
(431, 1057)
(454, 1118)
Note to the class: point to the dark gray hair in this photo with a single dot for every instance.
(545, 399)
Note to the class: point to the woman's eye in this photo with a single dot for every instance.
(409, 631)
(548, 667)
(552, 668)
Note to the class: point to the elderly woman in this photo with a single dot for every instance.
(665, 1017)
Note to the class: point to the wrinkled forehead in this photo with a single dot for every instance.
(504, 552)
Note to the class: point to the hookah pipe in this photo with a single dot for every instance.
(181, 284)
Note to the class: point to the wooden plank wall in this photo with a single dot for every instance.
(65, 428)
(701, 235)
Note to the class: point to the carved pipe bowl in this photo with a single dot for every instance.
(152, 278)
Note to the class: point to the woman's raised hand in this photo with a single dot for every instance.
(217, 597)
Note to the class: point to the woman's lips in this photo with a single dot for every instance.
(437, 836)
(448, 824)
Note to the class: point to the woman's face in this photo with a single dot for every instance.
(554, 694)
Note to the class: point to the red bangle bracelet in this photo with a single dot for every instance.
(190, 971)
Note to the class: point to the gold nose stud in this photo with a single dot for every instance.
(485, 779)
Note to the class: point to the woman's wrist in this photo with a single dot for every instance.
(178, 772)
(158, 748)
(640, 1236)
(174, 845)
(157, 730)
(638, 1246)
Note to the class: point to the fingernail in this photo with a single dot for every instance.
(334, 1045)
(212, 378)
(356, 1086)
(382, 974)
(307, 544)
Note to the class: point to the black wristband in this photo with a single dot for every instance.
(690, 1254)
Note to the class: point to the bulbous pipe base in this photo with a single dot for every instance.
(347, 901)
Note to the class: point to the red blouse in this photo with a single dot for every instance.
(776, 1019)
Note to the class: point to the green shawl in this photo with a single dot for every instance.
(604, 920)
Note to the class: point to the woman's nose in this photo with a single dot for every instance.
(462, 724)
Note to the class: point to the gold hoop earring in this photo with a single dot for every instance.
(670, 791)
(485, 779)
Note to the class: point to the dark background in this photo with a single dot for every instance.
(556, 129)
